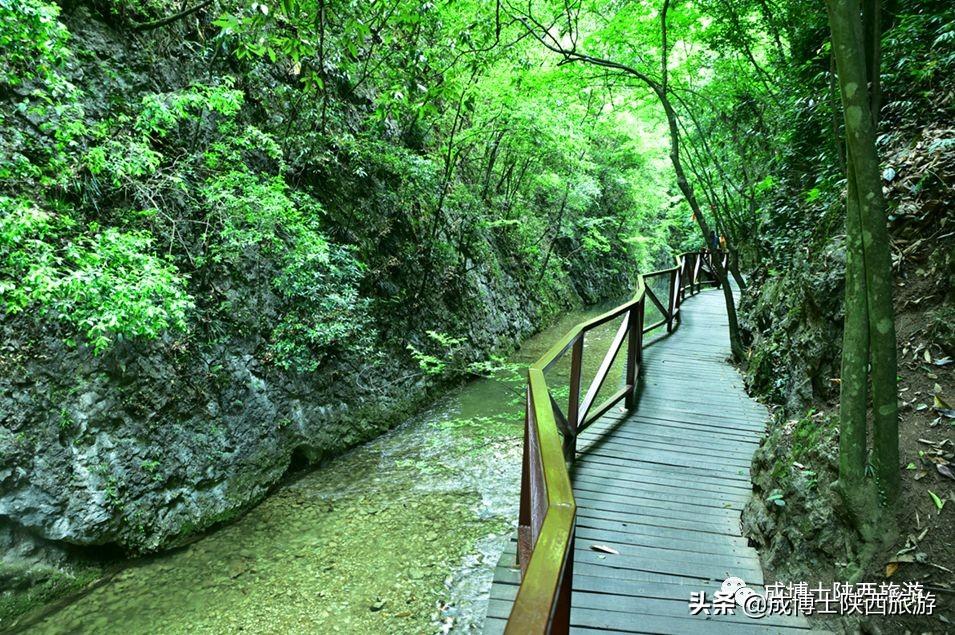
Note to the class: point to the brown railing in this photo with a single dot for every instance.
(548, 513)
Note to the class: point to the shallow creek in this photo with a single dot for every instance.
(400, 535)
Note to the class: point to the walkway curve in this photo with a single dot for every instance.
(664, 486)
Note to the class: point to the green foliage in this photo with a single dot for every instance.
(108, 284)
(445, 357)
(318, 279)
(27, 260)
(32, 45)
(137, 10)
(358, 162)
(162, 113)
(117, 287)
(122, 162)
(326, 312)
(35, 89)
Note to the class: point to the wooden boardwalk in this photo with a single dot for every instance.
(664, 486)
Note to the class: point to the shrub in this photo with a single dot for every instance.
(108, 283)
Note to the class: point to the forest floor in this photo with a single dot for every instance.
(808, 539)
(795, 518)
(924, 550)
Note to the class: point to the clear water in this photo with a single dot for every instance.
(398, 536)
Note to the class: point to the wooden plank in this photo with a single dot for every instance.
(623, 501)
(638, 442)
(712, 417)
(668, 561)
(664, 486)
(647, 476)
(705, 497)
(691, 442)
(654, 517)
(676, 541)
(678, 608)
(678, 429)
(494, 626)
(598, 465)
(603, 571)
(696, 420)
(665, 500)
(627, 622)
(625, 527)
(667, 462)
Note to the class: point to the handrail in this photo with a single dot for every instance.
(548, 512)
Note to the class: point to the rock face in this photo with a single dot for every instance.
(144, 446)
(794, 517)
(796, 324)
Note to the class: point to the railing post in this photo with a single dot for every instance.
(524, 547)
(634, 351)
(697, 264)
(573, 399)
(677, 286)
(671, 302)
(684, 274)
(696, 272)
(560, 625)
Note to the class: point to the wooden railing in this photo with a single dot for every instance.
(548, 513)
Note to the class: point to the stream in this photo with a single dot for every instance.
(400, 535)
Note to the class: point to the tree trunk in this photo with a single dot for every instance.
(872, 40)
(854, 379)
(733, 263)
(736, 343)
(872, 252)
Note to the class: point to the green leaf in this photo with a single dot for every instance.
(935, 499)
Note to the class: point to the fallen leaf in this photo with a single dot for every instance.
(937, 389)
(943, 361)
(927, 356)
(945, 470)
(940, 404)
(605, 549)
(891, 568)
(935, 499)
